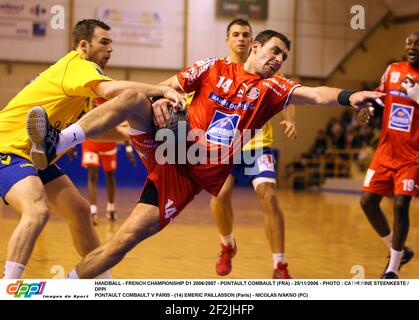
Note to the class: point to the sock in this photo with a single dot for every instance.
(13, 270)
(110, 207)
(229, 239)
(278, 257)
(388, 239)
(93, 209)
(73, 274)
(70, 137)
(394, 263)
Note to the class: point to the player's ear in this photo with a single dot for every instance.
(255, 46)
(83, 45)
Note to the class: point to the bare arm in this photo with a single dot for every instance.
(172, 83)
(327, 96)
(288, 124)
(111, 89)
(315, 95)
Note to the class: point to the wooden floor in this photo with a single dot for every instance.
(327, 236)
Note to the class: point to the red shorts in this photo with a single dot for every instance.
(175, 187)
(387, 181)
(97, 154)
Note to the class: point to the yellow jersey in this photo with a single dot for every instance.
(63, 90)
(262, 139)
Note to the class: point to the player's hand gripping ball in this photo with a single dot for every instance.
(179, 126)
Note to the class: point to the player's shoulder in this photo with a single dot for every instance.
(281, 81)
(399, 65)
(207, 62)
(75, 58)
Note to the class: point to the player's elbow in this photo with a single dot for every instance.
(107, 89)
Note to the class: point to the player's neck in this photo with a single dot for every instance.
(249, 67)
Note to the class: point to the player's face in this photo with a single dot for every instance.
(412, 49)
(239, 39)
(270, 57)
(99, 49)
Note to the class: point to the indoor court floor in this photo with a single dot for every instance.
(327, 236)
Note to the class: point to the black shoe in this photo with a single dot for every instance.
(406, 257)
(43, 136)
(111, 215)
(389, 275)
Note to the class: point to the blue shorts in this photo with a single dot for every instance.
(14, 168)
(256, 164)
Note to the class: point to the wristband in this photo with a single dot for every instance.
(343, 97)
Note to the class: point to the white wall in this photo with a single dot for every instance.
(22, 45)
(324, 34)
(167, 56)
(206, 33)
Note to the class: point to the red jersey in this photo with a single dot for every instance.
(399, 139)
(227, 101)
(98, 146)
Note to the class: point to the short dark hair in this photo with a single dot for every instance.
(240, 22)
(266, 35)
(84, 30)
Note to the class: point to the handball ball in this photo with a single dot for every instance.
(179, 125)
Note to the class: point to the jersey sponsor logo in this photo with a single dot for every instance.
(202, 62)
(401, 117)
(398, 93)
(25, 165)
(270, 86)
(253, 93)
(5, 159)
(266, 161)
(222, 128)
(191, 73)
(230, 104)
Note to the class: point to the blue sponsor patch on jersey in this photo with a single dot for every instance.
(398, 93)
(222, 128)
(401, 117)
(229, 104)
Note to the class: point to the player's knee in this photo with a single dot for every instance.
(78, 215)
(222, 198)
(131, 100)
(401, 205)
(366, 201)
(38, 215)
(267, 193)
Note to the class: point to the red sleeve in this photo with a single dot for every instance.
(191, 78)
(382, 86)
(280, 90)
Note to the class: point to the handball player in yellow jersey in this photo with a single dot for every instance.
(65, 91)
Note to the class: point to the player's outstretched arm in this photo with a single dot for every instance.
(111, 89)
(327, 96)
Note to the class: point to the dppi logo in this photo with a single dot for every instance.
(27, 290)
